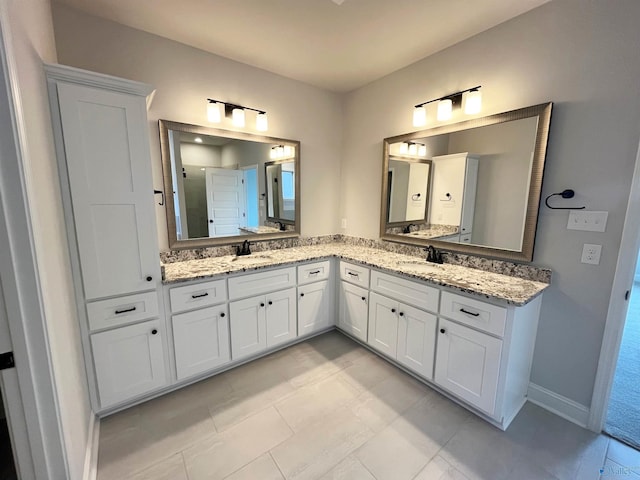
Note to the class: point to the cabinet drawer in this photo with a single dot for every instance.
(354, 274)
(122, 310)
(405, 291)
(480, 315)
(314, 272)
(262, 282)
(199, 295)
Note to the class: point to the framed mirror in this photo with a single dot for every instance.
(216, 185)
(482, 185)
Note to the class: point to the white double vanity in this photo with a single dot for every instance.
(468, 333)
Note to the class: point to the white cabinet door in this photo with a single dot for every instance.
(201, 340)
(353, 310)
(416, 340)
(129, 361)
(108, 162)
(281, 316)
(468, 364)
(247, 319)
(313, 307)
(383, 324)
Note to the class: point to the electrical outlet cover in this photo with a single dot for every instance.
(591, 253)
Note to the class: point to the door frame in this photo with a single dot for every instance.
(617, 311)
(33, 412)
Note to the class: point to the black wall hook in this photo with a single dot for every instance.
(568, 193)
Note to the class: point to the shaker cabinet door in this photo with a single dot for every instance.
(281, 317)
(417, 340)
(129, 361)
(248, 327)
(383, 324)
(468, 364)
(313, 308)
(201, 340)
(353, 310)
(107, 161)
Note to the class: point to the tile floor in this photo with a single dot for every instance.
(330, 409)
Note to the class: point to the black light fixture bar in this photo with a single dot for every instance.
(456, 98)
(228, 107)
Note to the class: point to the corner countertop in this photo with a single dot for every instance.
(512, 290)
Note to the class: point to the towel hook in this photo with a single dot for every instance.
(568, 193)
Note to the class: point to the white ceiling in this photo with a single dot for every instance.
(333, 44)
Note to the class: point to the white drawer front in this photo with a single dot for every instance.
(199, 295)
(122, 310)
(405, 291)
(262, 282)
(483, 316)
(314, 272)
(354, 274)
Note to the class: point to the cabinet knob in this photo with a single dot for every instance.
(364, 298)
(393, 310)
(222, 315)
(270, 302)
(149, 278)
(302, 294)
(442, 330)
(401, 314)
(261, 304)
(154, 332)
(210, 221)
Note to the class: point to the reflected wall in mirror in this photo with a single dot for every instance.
(484, 192)
(215, 184)
(407, 198)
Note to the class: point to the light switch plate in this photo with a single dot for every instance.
(587, 221)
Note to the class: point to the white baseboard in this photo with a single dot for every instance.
(91, 456)
(562, 406)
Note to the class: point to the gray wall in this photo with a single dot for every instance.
(583, 56)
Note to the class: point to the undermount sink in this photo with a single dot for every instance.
(421, 267)
(251, 259)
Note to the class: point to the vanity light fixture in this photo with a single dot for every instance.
(446, 104)
(237, 114)
(413, 148)
(282, 151)
(197, 140)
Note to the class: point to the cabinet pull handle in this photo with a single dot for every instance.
(352, 274)
(442, 330)
(262, 304)
(470, 313)
(126, 310)
(315, 272)
(154, 332)
(149, 278)
(222, 315)
(205, 294)
(302, 294)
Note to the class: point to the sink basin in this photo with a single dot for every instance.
(421, 267)
(251, 259)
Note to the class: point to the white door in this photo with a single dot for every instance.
(383, 324)
(225, 201)
(129, 361)
(417, 340)
(468, 364)
(313, 308)
(281, 317)
(201, 340)
(353, 310)
(247, 320)
(107, 151)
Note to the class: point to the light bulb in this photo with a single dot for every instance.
(273, 152)
(473, 103)
(197, 140)
(404, 148)
(237, 117)
(262, 124)
(413, 149)
(419, 117)
(214, 112)
(444, 109)
(280, 151)
(288, 151)
(422, 150)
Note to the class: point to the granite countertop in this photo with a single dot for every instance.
(435, 231)
(261, 229)
(512, 290)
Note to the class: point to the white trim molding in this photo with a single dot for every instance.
(555, 403)
(91, 455)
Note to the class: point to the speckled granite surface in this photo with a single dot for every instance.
(515, 291)
(260, 229)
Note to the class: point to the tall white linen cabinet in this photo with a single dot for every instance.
(102, 144)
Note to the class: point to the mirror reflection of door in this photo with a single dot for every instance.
(250, 177)
(225, 201)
